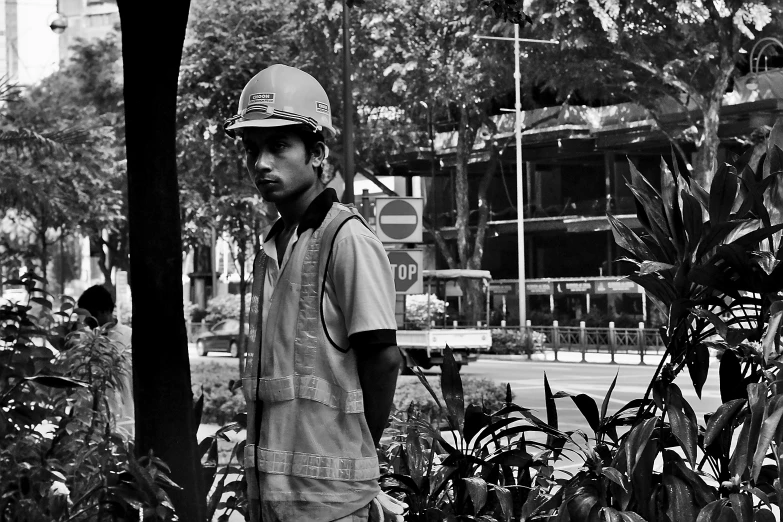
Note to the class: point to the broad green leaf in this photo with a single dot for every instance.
(506, 502)
(671, 206)
(712, 511)
(605, 404)
(615, 476)
(609, 515)
(417, 462)
(699, 366)
(53, 381)
(681, 504)
(723, 191)
(551, 407)
(475, 421)
(772, 335)
(757, 404)
(692, 219)
(628, 240)
(764, 515)
(766, 435)
(742, 505)
(723, 416)
(631, 516)
(683, 422)
(731, 381)
(739, 459)
(451, 386)
(477, 489)
(586, 405)
(637, 441)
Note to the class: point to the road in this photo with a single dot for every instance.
(527, 383)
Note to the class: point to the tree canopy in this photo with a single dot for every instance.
(666, 56)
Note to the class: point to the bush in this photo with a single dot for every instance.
(515, 341)
(481, 392)
(225, 307)
(416, 310)
(194, 313)
(212, 377)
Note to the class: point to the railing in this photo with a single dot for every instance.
(611, 340)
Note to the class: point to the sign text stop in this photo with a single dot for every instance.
(407, 267)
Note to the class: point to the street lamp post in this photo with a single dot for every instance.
(348, 166)
(520, 178)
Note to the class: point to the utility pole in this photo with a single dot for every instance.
(348, 152)
(520, 177)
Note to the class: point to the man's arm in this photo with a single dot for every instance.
(378, 369)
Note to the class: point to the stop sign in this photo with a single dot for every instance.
(407, 266)
(399, 219)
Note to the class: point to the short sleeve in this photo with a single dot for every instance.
(362, 280)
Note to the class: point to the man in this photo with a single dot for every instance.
(98, 302)
(323, 357)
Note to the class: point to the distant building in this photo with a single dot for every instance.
(87, 19)
(9, 40)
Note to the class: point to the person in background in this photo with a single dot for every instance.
(98, 302)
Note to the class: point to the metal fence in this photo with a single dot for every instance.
(585, 340)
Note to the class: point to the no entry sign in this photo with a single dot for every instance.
(407, 268)
(398, 220)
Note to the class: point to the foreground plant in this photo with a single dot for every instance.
(710, 259)
(61, 456)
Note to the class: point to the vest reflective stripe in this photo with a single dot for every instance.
(305, 387)
(310, 466)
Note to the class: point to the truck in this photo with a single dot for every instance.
(424, 347)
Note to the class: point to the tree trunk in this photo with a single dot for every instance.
(161, 370)
(706, 159)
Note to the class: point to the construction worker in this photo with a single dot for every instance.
(322, 359)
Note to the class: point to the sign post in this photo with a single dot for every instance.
(398, 220)
(407, 267)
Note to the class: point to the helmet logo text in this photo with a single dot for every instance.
(263, 97)
(322, 107)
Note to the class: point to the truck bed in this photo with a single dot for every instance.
(437, 339)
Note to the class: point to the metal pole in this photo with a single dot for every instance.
(348, 152)
(520, 181)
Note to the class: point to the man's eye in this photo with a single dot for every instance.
(279, 145)
(251, 151)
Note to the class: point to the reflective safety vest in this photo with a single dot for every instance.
(307, 438)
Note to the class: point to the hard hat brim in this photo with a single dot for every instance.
(270, 123)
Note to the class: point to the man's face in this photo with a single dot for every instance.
(279, 164)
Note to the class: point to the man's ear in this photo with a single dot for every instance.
(319, 153)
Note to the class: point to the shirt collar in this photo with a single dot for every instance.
(313, 216)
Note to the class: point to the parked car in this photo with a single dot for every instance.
(221, 337)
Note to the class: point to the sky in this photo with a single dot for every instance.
(38, 45)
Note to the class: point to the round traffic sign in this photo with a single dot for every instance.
(406, 270)
(398, 219)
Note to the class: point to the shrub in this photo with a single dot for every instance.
(225, 307)
(481, 392)
(61, 456)
(416, 315)
(212, 377)
(516, 341)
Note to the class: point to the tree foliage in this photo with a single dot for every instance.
(74, 179)
(666, 56)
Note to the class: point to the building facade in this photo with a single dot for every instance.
(87, 19)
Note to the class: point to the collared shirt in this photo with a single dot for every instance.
(358, 306)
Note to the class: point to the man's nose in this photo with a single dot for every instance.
(263, 161)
